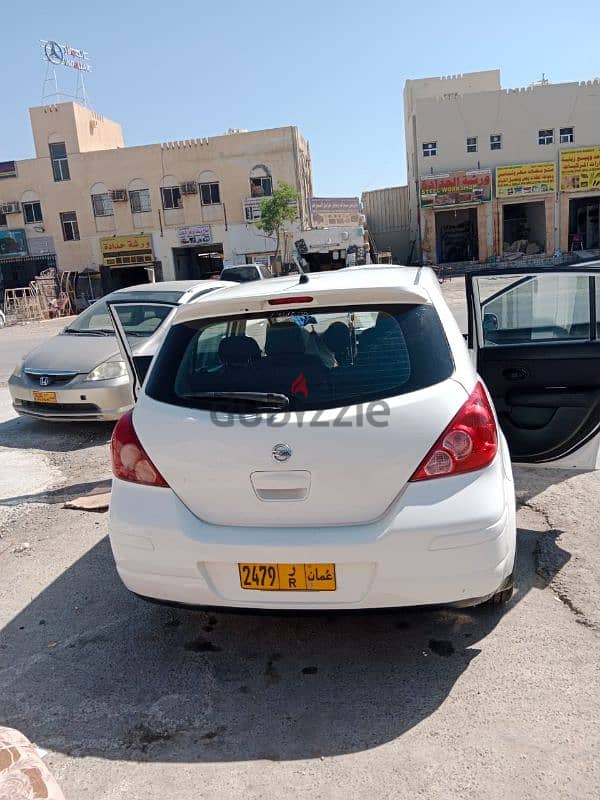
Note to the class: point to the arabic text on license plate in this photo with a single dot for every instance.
(44, 397)
(288, 577)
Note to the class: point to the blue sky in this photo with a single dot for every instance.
(189, 68)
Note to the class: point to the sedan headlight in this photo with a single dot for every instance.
(18, 370)
(108, 370)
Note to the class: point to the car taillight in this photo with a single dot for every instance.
(470, 441)
(130, 462)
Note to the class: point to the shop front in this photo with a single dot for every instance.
(20, 262)
(128, 261)
(525, 209)
(580, 194)
(197, 257)
(454, 222)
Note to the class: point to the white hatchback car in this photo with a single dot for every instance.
(326, 443)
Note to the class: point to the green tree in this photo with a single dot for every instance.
(276, 210)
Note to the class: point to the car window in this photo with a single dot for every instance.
(540, 308)
(317, 358)
(240, 274)
(137, 320)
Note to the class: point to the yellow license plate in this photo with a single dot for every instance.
(44, 397)
(288, 577)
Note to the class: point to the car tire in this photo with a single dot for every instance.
(503, 595)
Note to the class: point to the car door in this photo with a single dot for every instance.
(128, 318)
(535, 338)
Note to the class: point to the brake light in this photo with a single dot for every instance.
(289, 301)
(470, 441)
(130, 462)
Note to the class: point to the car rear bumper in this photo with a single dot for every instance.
(82, 401)
(453, 548)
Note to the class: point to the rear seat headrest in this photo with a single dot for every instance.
(285, 339)
(236, 350)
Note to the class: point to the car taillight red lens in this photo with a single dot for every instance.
(130, 462)
(470, 441)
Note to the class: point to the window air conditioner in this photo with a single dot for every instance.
(189, 188)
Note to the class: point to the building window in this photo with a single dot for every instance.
(3, 222)
(102, 205)
(496, 141)
(140, 200)
(70, 229)
(567, 135)
(429, 149)
(32, 212)
(471, 144)
(546, 136)
(171, 197)
(60, 164)
(261, 186)
(210, 194)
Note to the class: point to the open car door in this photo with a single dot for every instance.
(131, 319)
(535, 337)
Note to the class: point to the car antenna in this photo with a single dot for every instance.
(303, 278)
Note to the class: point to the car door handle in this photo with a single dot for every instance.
(515, 373)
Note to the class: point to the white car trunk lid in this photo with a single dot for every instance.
(340, 469)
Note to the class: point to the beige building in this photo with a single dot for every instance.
(494, 171)
(175, 210)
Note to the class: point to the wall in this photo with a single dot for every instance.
(388, 220)
(97, 156)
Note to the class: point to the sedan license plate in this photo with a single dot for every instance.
(288, 577)
(44, 397)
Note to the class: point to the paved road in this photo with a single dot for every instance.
(138, 701)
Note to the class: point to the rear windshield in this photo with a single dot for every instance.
(325, 358)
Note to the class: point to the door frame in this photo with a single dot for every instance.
(587, 454)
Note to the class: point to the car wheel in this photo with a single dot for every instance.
(504, 594)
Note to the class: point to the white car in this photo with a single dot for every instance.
(246, 273)
(327, 443)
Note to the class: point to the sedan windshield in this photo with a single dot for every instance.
(141, 321)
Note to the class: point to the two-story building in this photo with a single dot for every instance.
(172, 210)
(494, 172)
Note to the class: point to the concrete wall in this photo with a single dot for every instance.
(98, 159)
(388, 220)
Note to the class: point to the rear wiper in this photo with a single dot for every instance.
(94, 332)
(264, 400)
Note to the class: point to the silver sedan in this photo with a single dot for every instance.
(80, 373)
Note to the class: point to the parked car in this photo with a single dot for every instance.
(331, 445)
(80, 374)
(245, 273)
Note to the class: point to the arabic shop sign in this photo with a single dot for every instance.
(194, 234)
(66, 56)
(124, 251)
(456, 188)
(328, 211)
(524, 179)
(580, 169)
